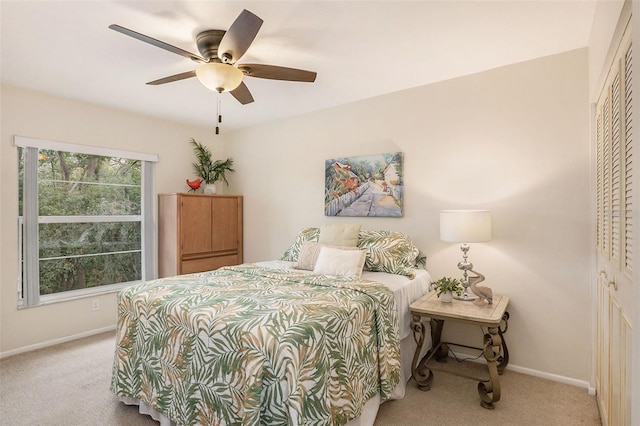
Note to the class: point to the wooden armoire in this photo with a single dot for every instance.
(198, 232)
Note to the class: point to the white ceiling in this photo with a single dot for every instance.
(360, 49)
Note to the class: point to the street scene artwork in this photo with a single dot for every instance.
(366, 185)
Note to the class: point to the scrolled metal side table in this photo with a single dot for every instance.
(493, 318)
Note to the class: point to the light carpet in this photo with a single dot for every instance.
(68, 385)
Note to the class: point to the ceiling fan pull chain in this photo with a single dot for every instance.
(218, 114)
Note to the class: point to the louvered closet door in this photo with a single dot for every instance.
(614, 238)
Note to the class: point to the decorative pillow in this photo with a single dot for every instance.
(307, 234)
(421, 260)
(340, 235)
(309, 254)
(390, 251)
(335, 261)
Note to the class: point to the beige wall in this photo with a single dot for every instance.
(514, 140)
(603, 31)
(36, 115)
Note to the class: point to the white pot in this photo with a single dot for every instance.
(446, 297)
(209, 188)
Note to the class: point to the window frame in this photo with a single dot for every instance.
(28, 241)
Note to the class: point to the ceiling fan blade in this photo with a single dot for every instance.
(154, 42)
(239, 37)
(273, 72)
(171, 78)
(242, 94)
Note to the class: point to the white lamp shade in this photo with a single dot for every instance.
(219, 77)
(465, 226)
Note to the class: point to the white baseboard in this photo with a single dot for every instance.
(554, 377)
(536, 373)
(53, 342)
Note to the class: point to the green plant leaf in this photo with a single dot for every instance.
(208, 170)
(446, 284)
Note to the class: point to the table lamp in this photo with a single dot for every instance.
(466, 226)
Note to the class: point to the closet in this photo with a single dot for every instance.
(615, 236)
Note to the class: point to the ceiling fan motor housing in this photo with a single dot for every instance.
(208, 43)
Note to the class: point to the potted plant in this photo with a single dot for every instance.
(445, 287)
(208, 170)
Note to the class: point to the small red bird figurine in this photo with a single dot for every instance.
(193, 184)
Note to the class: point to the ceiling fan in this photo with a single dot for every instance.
(219, 51)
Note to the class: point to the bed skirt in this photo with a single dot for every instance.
(369, 412)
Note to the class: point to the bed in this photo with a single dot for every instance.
(273, 342)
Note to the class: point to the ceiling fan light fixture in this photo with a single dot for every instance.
(219, 52)
(219, 77)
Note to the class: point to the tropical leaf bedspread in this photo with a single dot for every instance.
(256, 346)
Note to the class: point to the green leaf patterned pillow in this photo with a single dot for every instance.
(307, 234)
(390, 251)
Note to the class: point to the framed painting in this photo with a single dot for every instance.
(366, 185)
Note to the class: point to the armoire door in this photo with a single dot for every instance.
(224, 216)
(195, 224)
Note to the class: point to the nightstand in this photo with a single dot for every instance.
(492, 318)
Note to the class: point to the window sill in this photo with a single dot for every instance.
(72, 295)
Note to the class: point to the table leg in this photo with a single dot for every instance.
(421, 373)
(503, 360)
(489, 390)
(440, 349)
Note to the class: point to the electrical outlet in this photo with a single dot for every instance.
(95, 304)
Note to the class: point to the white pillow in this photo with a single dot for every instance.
(309, 254)
(334, 261)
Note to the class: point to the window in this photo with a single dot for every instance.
(85, 220)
